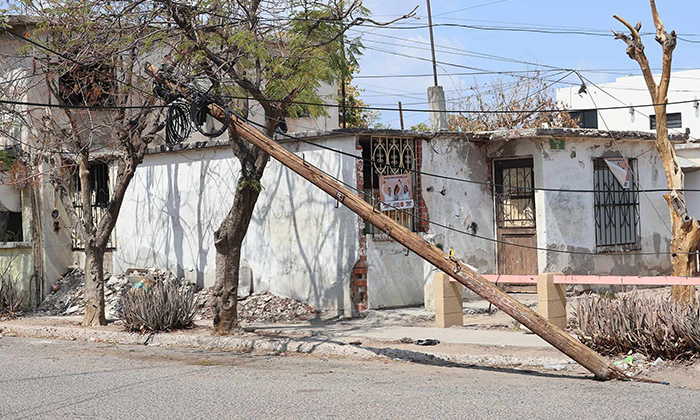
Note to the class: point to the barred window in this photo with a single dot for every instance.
(616, 209)
(99, 195)
(388, 156)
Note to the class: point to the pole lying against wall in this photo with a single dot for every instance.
(455, 269)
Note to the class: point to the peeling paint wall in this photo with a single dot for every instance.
(298, 245)
(394, 279)
(567, 221)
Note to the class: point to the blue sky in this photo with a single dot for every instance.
(558, 50)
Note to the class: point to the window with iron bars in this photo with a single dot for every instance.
(99, 195)
(616, 209)
(515, 196)
(388, 156)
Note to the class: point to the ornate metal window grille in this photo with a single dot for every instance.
(100, 196)
(616, 210)
(515, 197)
(389, 156)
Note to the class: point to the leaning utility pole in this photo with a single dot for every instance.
(452, 267)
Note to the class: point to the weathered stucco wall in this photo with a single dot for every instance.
(395, 279)
(298, 245)
(16, 264)
(566, 220)
(692, 177)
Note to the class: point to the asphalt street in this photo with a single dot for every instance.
(46, 379)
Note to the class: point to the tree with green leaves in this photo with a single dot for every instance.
(353, 110)
(86, 61)
(266, 57)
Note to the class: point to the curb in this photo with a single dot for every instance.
(315, 346)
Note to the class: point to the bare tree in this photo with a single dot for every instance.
(685, 229)
(87, 61)
(526, 96)
(277, 53)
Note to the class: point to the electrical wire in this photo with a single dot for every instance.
(450, 228)
(451, 178)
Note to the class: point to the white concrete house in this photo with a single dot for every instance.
(300, 245)
(631, 96)
(631, 92)
(507, 202)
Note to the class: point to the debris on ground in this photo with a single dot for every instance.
(427, 342)
(262, 307)
(267, 307)
(636, 364)
(67, 293)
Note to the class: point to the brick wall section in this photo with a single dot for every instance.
(358, 281)
(422, 224)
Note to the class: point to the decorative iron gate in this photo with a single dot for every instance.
(391, 156)
(515, 197)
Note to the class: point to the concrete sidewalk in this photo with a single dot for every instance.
(454, 335)
(380, 334)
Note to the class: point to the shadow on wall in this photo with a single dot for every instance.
(298, 244)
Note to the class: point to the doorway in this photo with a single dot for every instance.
(515, 216)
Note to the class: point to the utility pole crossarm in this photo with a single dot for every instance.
(452, 267)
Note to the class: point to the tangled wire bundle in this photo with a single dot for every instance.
(183, 115)
(177, 123)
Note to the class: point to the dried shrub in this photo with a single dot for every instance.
(11, 298)
(164, 306)
(653, 326)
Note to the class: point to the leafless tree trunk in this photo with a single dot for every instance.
(685, 229)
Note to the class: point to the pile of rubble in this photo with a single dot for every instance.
(262, 307)
(266, 307)
(66, 297)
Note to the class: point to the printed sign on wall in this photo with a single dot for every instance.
(396, 192)
(621, 170)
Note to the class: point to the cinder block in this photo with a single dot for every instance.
(447, 320)
(445, 287)
(448, 305)
(559, 321)
(551, 299)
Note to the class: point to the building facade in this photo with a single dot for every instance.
(511, 202)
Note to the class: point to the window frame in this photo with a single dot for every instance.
(371, 191)
(99, 204)
(580, 117)
(615, 241)
(670, 123)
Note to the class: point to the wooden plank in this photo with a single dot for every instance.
(435, 256)
(629, 280)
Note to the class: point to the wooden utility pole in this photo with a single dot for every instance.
(432, 43)
(452, 267)
(401, 115)
(685, 229)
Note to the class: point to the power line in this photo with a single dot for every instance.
(44, 47)
(90, 107)
(444, 226)
(447, 177)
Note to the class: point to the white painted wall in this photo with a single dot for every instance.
(632, 91)
(691, 151)
(298, 245)
(395, 279)
(567, 221)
